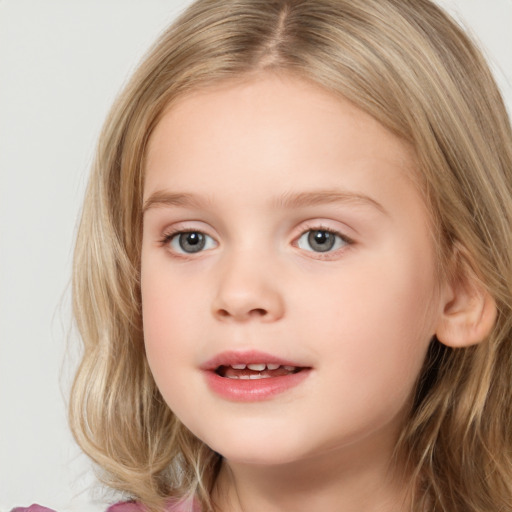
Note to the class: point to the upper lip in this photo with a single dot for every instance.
(232, 357)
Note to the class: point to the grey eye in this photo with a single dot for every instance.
(190, 242)
(320, 240)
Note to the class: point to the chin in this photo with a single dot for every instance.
(254, 448)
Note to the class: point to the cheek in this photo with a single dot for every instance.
(171, 300)
(158, 307)
(175, 311)
(163, 320)
(384, 319)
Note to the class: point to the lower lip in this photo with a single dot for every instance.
(253, 390)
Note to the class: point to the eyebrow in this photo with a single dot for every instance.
(162, 198)
(288, 200)
(315, 198)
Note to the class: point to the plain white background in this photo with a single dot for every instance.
(61, 64)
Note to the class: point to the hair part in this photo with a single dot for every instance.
(413, 69)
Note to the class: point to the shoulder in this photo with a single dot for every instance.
(32, 508)
(124, 506)
(133, 506)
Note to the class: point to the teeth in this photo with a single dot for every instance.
(257, 367)
(253, 377)
(269, 366)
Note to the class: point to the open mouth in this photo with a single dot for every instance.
(249, 376)
(256, 371)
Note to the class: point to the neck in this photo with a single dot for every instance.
(330, 482)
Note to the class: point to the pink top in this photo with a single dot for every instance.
(125, 506)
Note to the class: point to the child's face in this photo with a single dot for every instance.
(306, 245)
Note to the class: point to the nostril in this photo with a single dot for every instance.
(258, 312)
(255, 312)
(248, 303)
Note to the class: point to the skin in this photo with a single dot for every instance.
(361, 316)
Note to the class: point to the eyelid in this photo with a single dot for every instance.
(169, 233)
(324, 225)
(186, 226)
(172, 232)
(321, 225)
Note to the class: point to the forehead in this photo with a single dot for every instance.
(264, 127)
(279, 106)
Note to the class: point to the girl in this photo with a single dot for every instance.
(293, 275)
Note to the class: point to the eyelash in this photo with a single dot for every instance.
(168, 238)
(345, 240)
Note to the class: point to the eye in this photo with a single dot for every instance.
(321, 240)
(190, 242)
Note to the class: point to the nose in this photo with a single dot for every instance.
(247, 290)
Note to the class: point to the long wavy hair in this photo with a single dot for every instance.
(412, 68)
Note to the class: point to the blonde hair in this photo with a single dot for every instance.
(412, 68)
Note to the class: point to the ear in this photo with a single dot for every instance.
(469, 311)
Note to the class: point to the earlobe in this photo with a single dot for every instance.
(469, 313)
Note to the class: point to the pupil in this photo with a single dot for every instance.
(321, 241)
(192, 242)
